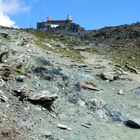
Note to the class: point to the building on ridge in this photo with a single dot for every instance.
(59, 25)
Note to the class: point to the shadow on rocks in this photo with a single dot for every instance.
(49, 73)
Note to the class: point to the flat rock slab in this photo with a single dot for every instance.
(42, 98)
(89, 85)
(108, 76)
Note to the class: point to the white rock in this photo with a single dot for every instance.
(2, 96)
(61, 126)
(121, 92)
(2, 83)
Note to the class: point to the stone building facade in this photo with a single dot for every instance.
(59, 25)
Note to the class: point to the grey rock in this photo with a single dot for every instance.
(74, 97)
(2, 83)
(132, 122)
(42, 98)
(4, 35)
(78, 87)
(114, 114)
(48, 45)
(3, 98)
(136, 91)
(59, 44)
(52, 89)
(121, 92)
(108, 76)
(47, 134)
(83, 66)
(49, 72)
(132, 69)
(89, 85)
(43, 61)
(20, 78)
(65, 127)
(95, 104)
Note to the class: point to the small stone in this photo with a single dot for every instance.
(81, 103)
(136, 91)
(89, 85)
(2, 97)
(121, 92)
(29, 50)
(133, 123)
(53, 115)
(108, 76)
(2, 83)
(5, 61)
(61, 126)
(42, 98)
(124, 72)
(95, 104)
(132, 69)
(85, 125)
(47, 134)
(114, 113)
(20, 78)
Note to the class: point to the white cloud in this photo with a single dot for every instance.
(8, 7)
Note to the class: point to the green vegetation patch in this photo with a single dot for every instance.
(21, 71)
(66, 52)
(93, 50)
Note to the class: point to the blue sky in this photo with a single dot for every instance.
(91, 14)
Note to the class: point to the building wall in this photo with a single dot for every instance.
(59, 25)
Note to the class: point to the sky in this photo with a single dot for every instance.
(90, 14)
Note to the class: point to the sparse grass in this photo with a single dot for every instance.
(21, 71)
(67, 52)
(46, 37)
(42, 36)
(92, 50)
(71, 41)
(122, 56)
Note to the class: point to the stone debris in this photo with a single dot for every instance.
(114, 113)
(95, 104)
(20, 92)
(20, 78)
(136, 90)
(3, 98)
(2, 55)
(43, 98)
(86, 125)
(132, 123)
(89, 85)
(4, 35)
(121, 92)
(65, 127)
(108, 76)
(132, 69)
(40, 88)
(2, 83)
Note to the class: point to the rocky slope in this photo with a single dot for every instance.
(55, 88)
(120, 42)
